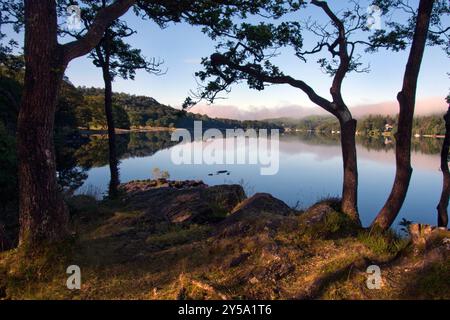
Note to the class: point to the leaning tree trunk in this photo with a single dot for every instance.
(43, 214)
(349, 203)
(406, 98)
(113, 163)
(443, 202)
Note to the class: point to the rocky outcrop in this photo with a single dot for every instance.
(258, 204)
(261, 211)
(190, 201)
(319, 211)
(145, 185)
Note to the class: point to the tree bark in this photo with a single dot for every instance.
(113, 163)
(443, 202)
(43, 214)
(406, 98)
(349, 203)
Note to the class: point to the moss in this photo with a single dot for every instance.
(383, 243)
(334, 225)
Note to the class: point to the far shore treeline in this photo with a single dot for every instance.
(370, 125)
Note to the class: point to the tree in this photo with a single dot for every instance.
(443, 201)
(249, 54)
(43, 213)
(115, 57)
(417, 29)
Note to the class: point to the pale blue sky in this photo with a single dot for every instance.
(182, 46)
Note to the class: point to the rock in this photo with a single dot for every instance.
(318, 212)
(260, 213)
(193, 201)
(260, 203)
(424, 235)
(137, 186)
(225, 196)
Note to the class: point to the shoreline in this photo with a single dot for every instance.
(120, 131)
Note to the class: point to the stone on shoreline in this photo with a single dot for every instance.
(182, 201)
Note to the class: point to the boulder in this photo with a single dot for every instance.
(319, 211)
(325, 220)
(225, 196)
(194, 203)
(260, 203)
(259, 212)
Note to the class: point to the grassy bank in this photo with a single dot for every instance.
(315, 254)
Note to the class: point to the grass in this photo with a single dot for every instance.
(29, 273)
(386, 244)
(123, 256)
(435, 283)
(177, 235)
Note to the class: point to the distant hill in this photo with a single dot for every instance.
(143, 111)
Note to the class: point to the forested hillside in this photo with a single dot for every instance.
(368, 125)
(133, 111)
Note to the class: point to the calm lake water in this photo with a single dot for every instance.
(310, 169)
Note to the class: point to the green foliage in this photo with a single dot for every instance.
(398, 32)
(8, 166)
(10, 95)
(145, 111)
(333, 225)
(310, 123)
(387, 243)
(70, 100)
(91, 113)
(371, 125)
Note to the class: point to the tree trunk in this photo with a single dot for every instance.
(349, 203)
(406, 98)
(43, 214)
(443, 202)
(113, 163)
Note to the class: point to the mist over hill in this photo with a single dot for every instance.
(424, 106)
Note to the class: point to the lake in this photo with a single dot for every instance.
(310, 169)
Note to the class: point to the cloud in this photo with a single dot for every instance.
(255, 113)
(424, 106)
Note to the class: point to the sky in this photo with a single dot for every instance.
(182, 46)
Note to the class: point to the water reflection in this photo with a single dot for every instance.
(310, 169)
